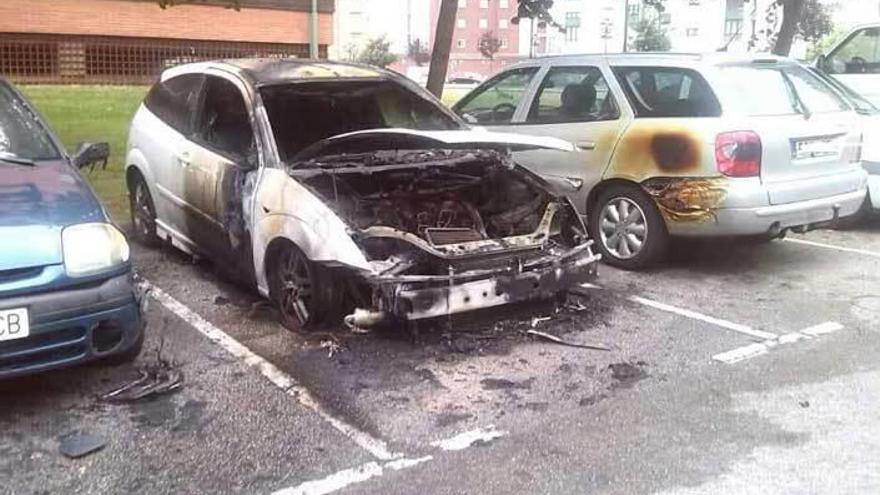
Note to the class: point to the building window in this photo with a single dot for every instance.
(634, 11)
(572, 25)
(460, 43)
(484, 4)
(733, 27)
(502, 23)
(694, 3)
(504, 43)
(484, 23)
(691, 32)
(461, 23)
(665, 18)
(503, 4)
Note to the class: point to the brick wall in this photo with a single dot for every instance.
(146, 20)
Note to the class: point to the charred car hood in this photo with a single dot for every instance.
(36, 202)
(369, 140)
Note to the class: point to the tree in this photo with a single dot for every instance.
(489, 44)
(376, 52)
(651, 37)
(808, 19)
(442, 46)
(537, 10)
(418, 52)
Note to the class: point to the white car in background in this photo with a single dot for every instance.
(855, 61)
(682, 145)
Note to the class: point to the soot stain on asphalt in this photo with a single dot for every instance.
(505, 384)
(625, 375)
(445, 419)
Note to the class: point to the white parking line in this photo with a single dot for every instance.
(338, 481)
(469, 438)
(282, 380)
(757, 349)
(864, 252)
(348, 477)
(736, 327)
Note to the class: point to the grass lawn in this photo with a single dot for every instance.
(93, 113)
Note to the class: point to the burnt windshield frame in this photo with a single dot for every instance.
(46, 146)
(301, 134)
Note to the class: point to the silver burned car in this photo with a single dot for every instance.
(688, 145)
(335, 186)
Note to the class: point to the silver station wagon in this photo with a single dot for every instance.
(682, 145)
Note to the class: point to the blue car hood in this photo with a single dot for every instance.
(36, 203)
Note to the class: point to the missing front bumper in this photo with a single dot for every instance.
(403, 301)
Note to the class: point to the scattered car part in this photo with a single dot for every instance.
(558, 340)
(80, 444)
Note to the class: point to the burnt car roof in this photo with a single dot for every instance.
(267, 71)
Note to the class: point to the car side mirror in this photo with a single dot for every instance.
(88, 154)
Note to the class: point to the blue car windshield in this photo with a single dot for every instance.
(22, 136)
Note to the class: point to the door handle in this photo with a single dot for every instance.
(585, 145)
(184, 159)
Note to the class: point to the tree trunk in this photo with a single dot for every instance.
(792, 10)
(442, 46)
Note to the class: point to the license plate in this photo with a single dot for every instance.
(816, 148)
(14, 324)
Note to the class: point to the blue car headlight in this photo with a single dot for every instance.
(91, 248)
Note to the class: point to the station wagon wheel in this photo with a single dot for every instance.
(628, 228)
(143, 212)
(298, 287)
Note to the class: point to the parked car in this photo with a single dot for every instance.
(66, 290)
(682, 145)
(869, 115)
(855, 61)
(342, 186)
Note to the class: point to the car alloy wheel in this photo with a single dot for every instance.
(295, 289)
(623, 229)
(143, 213)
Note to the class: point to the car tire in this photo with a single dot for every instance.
(638, 241)
(143, 212)
(128, 355)
(302, 290)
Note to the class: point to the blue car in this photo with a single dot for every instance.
(67, 293)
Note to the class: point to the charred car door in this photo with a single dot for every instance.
(222, 152)
(576, 104)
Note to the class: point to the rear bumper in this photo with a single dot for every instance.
(760, 220)
(73, 326)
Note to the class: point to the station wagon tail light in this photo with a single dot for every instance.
(738, 154)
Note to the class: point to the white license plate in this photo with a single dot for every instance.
(14, 324)
(816, 148)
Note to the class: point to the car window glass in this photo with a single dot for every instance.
(667, 92)
(21, 134)
(304, 113)
(777, 90)
(175, 100)
(573, 94)
(224, 122)
(814, 94)
(858, 55)
(496, 101)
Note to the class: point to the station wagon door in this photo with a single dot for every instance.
(576, 104)
(223, 151)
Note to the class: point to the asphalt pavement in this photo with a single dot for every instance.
(734, 368)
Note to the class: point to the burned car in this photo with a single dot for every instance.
(344, 190)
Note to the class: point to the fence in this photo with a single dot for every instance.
(68, 59)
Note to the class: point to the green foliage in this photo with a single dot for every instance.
(376, 52)
(418, 52)
(815, 22)
(824, 44)
(489, 44)
(651, 37)
(538, 10)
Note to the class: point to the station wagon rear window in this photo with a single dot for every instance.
(667, 92)
(771, 89)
